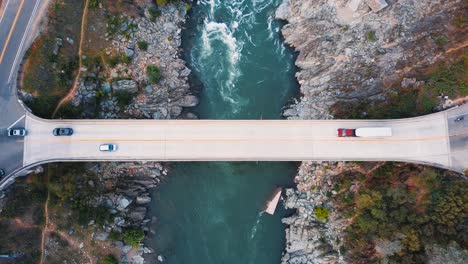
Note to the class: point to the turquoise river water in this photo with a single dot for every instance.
(210, 212)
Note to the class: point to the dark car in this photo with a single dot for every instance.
(63, 132)
(346, 132)
(460, 118)
(2, 173)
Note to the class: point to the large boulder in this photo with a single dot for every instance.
(125, 85)
(283, 11)
(187, 101)
(137, 214)
(123, 203)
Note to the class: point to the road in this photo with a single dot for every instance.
(15, 25)
(423, 139)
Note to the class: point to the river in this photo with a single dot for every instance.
(210, 212)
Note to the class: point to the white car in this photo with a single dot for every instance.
(19, 132)
(108, 147)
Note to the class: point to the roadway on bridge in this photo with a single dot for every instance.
(423, 139)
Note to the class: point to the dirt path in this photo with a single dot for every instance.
(45, 231)
(72, 91)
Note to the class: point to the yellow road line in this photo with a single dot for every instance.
(232, 140)
(11, 31)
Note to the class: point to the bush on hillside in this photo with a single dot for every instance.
(153, 73)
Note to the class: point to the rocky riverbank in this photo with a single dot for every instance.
(349, 51)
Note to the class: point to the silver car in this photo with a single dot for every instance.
(108, 147)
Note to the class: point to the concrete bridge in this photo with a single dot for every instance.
(435, 139)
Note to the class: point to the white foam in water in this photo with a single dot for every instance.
(254, 228)
(215, 31)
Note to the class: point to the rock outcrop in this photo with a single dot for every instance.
(309, 240)
(355, 49)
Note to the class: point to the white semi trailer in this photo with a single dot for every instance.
(373, 132)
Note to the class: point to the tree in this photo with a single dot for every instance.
(411, 241)
(133, 237)
(321, 213)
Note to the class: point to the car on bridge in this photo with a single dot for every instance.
(2, 173)
(62, 131)
(108, 147)
(19, 132)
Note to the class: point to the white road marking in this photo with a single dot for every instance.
(26, 32)
(455, 116)
(16, 122)
(4, 11)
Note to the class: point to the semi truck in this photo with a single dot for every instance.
(365, 132)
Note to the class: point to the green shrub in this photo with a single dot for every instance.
(371, 36)
(143, 45)
(110, 259)
(161, 2)
(93, 4)
(126, 59)
(114, 60)
(153, 13)
(123, 98)
(153, 73)
(133, 237)
(321, 213)
(115, 236)
(441, 40)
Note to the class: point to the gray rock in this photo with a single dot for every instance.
(149, 89)
(408, 82)
(160, 258)
(138, 260)
(176, 111)
(157, 115)
(163, 111)
(185, 72)
(126, 249)
(140, 200)
(137, 214)
(119, 221)
(125, 85)
(377, 5)
(187, 101)
(123, 27)
(283, 10)
(129, 52)
(58, 44)
(191, 116)
(70, 41)
(290, 112)
(102, 236)
(123, 203)
(106, 87)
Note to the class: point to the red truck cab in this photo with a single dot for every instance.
(346, 132)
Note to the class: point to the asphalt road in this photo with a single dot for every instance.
(459, 138)
(13, 40)
(423, 140)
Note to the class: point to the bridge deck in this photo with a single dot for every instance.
(423, 139)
